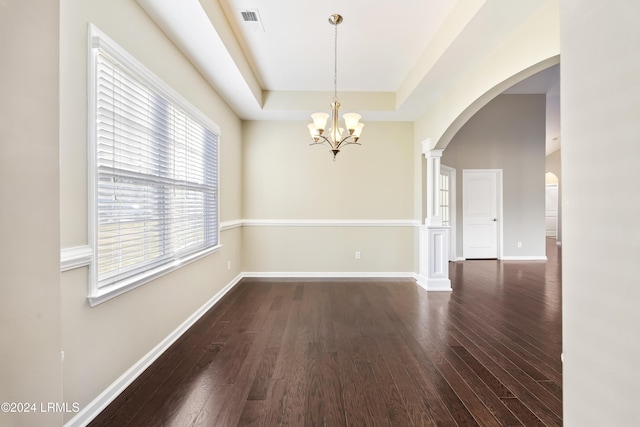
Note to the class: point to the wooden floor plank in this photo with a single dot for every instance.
(482, 391)
(334, 352)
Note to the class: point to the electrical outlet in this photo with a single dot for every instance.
(228, 265)
(519, 244)
(357, 254)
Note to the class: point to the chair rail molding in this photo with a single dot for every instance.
(75, 257)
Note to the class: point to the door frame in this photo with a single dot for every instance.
(499, 208)
(557, 210)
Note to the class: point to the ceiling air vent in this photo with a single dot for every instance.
(251, 20)
(249, 15)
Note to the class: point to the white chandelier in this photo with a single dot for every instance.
(334, 137)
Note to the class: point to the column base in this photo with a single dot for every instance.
(434, 259)
(434, 285)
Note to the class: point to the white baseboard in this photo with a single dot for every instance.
(515, 258)
(523, 258)
(328, 275)
(98, 404)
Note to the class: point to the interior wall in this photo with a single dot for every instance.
(508, 134)
(600, 92)
(286, 182)
(103, 342)
(30, 340)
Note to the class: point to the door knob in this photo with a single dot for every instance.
(494, 219)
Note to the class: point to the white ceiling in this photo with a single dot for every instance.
(384, 47)
(379, 42)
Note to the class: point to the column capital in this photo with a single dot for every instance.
(433, 154)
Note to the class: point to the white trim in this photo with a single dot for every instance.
(230, 225)
(75, 257)
(89, 412)
(434, 285)
(328, 275)
(330, 223)
(523, 258)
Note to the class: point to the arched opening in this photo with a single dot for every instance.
(501, 138)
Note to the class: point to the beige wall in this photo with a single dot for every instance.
(30, 367)
(287, 180)
(600, 93)
(328, 250)
(508, 134)
(102, 342)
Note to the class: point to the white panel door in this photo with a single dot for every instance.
(480, 207)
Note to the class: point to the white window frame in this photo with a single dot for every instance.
(100, 43)
(453, 220)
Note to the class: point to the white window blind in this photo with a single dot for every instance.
(156, 177)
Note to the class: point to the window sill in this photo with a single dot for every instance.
(98, 296)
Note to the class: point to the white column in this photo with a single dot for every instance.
(434, 237)
(433, 186)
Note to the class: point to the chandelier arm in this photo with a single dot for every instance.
(322, 139)
(346, 141)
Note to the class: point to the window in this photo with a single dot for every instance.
(153, 174)
(445, 210)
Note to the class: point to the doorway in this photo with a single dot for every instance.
(482, 213)
(551, 210)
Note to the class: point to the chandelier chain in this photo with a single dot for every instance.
(335, 64)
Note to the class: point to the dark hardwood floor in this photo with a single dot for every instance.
(365, 353)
